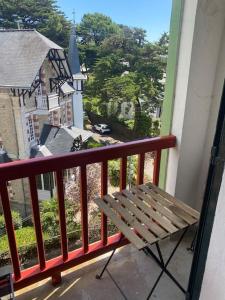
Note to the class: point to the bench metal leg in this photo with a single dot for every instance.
(99, 276)
(163, 265)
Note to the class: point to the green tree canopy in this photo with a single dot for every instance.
(42, 15)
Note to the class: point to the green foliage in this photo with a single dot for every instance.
(129, 124)
(50, 217)
(94, 28)
(24, 237)
(16, 217)
(94, 144)
(42, 15)
(143, 125)
(125, 67)
(156, 128)
(114, 171)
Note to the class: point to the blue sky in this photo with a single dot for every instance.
(152, 15)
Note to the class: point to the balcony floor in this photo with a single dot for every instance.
(133, 270)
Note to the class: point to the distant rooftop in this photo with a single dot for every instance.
(58, 140)
(22, 53)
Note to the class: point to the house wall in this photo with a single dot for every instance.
(7, 125)
(214, 276)
(199, 82)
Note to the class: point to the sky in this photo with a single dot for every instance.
(151, 15)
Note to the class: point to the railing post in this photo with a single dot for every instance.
(84, 209)
(62, 214)
(10, 230)
(37, 222)
(123, 173)
(156, 169)
(104, 190)
(56, 278)
(140, 169)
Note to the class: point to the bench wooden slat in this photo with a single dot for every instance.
(169, 205)
(179, 203)
(156, 229)
(129, 234)
(131, 220)
(161, 209)
(165, 223)
(182, 214)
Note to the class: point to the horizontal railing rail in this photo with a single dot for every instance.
(30, 168)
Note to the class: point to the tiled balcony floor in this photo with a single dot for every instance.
(133, 270)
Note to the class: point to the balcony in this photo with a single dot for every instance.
(88, 251)
(47, 103)
(129, 268)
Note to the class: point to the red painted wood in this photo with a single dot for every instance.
(26, 168)
(62, 214)
(84, 208)
(104, 191)
(156, 167)
(76, 257)
(37, 222)
(10, 229)
(32, 167)
(140, 169)
(123, 173)
(56, 278)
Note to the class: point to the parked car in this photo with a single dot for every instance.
(102, 128)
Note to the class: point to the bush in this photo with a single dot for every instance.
(25, 237)
(17, 220)
(50, 223)
(50, 217)
(114, 171)
(129, 124)
(156, 128)
(93, 143)
(143, 125)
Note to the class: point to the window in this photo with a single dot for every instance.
(30, 129)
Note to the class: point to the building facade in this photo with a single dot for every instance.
(36, 88)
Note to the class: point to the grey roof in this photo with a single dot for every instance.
(22, 53)
(73, 55)
(58, 140)
(66, 88)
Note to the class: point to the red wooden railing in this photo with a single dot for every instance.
(56, 164)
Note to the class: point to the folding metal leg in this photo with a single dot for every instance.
(163, 265)
(192, 247)
(99, 276)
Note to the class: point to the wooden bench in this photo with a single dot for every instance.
(145, 215)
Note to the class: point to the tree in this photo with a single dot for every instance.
(133, 87)
(94, 28)
(42, 15)
(163, 43)
(72, 191)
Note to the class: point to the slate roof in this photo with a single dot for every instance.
(58, 140)
(67, 89)
(22, 53)
(73, 55)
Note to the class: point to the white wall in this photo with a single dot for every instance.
(214, 278)
(197, 96)
(78, 112)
